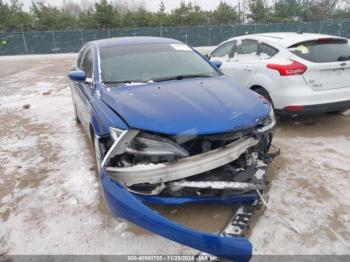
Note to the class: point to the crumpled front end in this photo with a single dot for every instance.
(142, 167)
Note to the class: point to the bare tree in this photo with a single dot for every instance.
(72, 8)
(124, 6)
(87, 4)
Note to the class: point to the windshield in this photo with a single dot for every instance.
(323, 50)
(152, 62)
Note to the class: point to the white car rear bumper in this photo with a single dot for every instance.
(295, 93)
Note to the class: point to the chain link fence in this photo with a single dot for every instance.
(48, 42)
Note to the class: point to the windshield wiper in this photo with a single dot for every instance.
(180, 77)
(344, 58)
(124, 82)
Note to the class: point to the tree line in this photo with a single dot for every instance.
(105, 14)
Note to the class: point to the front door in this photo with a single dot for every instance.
(85, 90)
(242, 65)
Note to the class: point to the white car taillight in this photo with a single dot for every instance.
(295, 68)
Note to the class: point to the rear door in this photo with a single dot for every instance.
(328, 62)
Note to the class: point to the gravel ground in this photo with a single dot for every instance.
(50, 202)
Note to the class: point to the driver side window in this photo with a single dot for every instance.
(80, 57)
(87, 63)
(224, 50)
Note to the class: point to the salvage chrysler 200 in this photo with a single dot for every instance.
(169, 128)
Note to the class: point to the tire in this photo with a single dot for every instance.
(77, 120)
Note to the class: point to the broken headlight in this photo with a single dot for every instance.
(149, 145)
(268, 123)
(152, 145)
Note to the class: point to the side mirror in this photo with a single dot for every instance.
(77, 76)
(217, 64)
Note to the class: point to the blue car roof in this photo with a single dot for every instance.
(135, 40)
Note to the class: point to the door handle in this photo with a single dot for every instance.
(247, 69)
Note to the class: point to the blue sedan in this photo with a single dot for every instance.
(169, 128)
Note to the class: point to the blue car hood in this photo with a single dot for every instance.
(190, 106)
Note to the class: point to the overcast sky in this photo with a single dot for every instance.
(150, 4)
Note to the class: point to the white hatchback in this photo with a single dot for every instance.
(298, 73)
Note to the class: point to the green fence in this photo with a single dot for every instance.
(48, 42)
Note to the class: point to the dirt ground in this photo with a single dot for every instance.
(50, 202)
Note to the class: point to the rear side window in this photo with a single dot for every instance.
(322, 50)
(267, 50)
(247, 46)
(224, 50)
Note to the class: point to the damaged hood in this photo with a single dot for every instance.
(194, 106)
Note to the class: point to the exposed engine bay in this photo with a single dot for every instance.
(175, 166)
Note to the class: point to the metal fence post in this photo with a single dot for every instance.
(24, 41)
(54, 41)
(81, 38)
(320, 28)
(340, 26)
(209, 36)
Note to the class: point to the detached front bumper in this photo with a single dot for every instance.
(131, 207)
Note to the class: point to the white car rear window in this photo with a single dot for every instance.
(323, 50)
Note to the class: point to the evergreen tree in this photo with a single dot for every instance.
(105, 15)
(286, 11)
(224, 14)
(13, 18)
(47, 17)
(109, 13)
(162, 15)
(259, 12)
(188, 14)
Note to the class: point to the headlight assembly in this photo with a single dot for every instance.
(134, 142)
(153, 145)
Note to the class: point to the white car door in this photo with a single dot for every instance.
(223, 53)
(242, 65)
